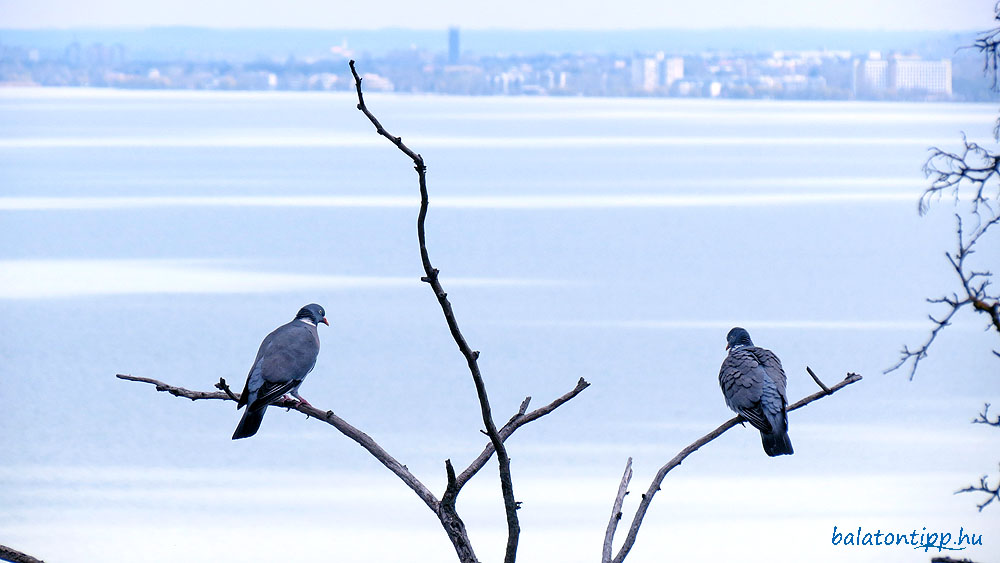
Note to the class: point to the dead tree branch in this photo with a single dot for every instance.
(992, 493)
(445, 508)
(949, 172)
(975, 294)
(973, 168)
(364, 440)
(984, 417)
(471, 356)
(647, 498)
(15, 556)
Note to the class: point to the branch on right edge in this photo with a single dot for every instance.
(992, 493)
(647, 498)
(975, 293)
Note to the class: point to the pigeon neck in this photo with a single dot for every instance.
(740, 346)
(307, 321)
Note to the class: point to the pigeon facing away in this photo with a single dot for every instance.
(284, 359)
(754, 385)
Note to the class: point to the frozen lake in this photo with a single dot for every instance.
(164, 234)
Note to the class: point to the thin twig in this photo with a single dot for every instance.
(471, 356)
(817, 380)
(647, 498)
(513, 424)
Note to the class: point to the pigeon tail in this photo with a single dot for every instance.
(776, 444)
(250, 423)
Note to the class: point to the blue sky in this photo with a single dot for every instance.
(510, 14)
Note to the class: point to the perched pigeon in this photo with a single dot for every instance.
(754, 385)
(285, 357)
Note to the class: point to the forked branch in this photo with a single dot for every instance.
(445, 508)
(647, 498)
(471, 356)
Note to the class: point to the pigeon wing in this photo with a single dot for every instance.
(288, 358)
(253, 383)
(774, 370)
(742, 378)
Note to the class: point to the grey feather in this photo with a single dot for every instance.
(753, 384)
(283, 360)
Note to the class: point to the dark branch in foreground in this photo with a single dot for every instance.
(471, 356)
(647, 498)
(15, 556)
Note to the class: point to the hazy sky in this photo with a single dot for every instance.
(511, 14)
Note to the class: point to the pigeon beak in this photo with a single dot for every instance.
(324, 321)
(727, 346)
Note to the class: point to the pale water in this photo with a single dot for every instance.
(163, 234)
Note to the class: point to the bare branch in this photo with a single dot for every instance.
(984, 417)
(15, 556)
(973, 165)
(993, 493)
(975, 285)
(616, 513)
(817, 380)
(647, 498)
(471, 356)
(364, 440)
(180, 391)
(513, 424)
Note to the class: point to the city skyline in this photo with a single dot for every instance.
(914, 15)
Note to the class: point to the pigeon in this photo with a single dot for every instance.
(753, 383)
(284, 359)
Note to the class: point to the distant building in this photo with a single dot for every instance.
(914, 74)
(871, 76)
(453, 45)
(900, 75)
(656, 73)
(673, 71)
(645, 73)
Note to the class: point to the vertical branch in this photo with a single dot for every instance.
(471, 356)
(616, 513)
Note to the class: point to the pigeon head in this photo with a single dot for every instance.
(738, 337)
(313, 313)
